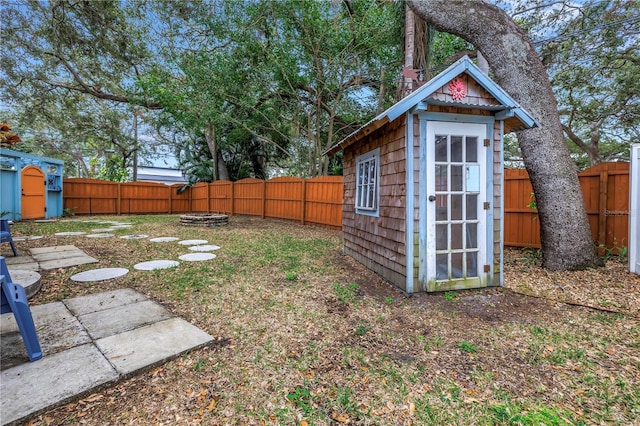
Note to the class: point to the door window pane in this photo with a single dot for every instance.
(472, 149)
(441, 148)
(456, 236)
(456, 206)
(472, 264)
(442, 266)
(442, 237)
(456, 149)
(456, 178)
(472, 235)
(441, 177)
(472, 175)
(441, 207)
(456, 265)
(472, 207)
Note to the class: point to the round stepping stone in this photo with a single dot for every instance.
(30, 280)
(44, 220)
(192, 242)
(134, 237)
(101, 274)
(100, 235)
(155, 264)
(163, 239)
(102, 230)
(197, 257)
(205, 247)
(69, 234)
(121, 226)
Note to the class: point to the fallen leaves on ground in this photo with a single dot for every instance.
(372, 356)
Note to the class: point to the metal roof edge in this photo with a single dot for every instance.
(12, 153)
(372, 125)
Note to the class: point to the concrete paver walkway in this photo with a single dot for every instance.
(48, 258)
(87, 342)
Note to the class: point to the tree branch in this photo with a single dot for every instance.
(93, 90)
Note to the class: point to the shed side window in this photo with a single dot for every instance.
(367, 182)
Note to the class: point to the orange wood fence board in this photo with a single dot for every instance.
(200, 198)
(605, 189)
(221, 197)
(319, 201)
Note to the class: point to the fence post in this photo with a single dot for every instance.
(170, 199)
(233, 197)
(208, 197)
(304, 199)
(264, 197)
(118, 199)
(602, 208)
(190, 199)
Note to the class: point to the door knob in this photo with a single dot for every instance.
(432, 198)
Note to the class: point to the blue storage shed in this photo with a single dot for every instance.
(30, 186)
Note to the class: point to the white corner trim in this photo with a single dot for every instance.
(634, 210)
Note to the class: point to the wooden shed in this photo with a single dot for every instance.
(422, 203)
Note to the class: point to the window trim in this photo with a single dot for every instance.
(374, 208)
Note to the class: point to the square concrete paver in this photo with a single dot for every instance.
(47, 258)
(102, 301)
(139, 333)
(123, 318)
(35, 386)
(23, 262)
(60, 257)
(151, 344)
(56, 327)
(42, 250)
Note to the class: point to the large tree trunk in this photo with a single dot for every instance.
(210, 138)
(564, 227)
(223, 172)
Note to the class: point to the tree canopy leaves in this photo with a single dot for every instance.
(593, 60)
(268, 86)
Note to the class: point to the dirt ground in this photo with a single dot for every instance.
(559, 346)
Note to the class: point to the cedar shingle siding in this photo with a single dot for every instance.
(379, 242)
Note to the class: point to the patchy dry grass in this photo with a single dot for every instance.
(305, 335)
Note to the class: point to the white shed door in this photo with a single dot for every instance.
(456, 218)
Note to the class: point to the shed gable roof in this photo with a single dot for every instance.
(505, 106)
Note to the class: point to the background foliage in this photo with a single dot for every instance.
(264, 88)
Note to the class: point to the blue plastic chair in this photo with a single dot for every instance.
(13, 298)
(5, 235)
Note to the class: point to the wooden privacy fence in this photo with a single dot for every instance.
(605, 188)
(317, 200)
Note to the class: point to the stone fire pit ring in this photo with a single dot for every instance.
(204, 219)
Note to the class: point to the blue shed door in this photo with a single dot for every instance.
(456, 218)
